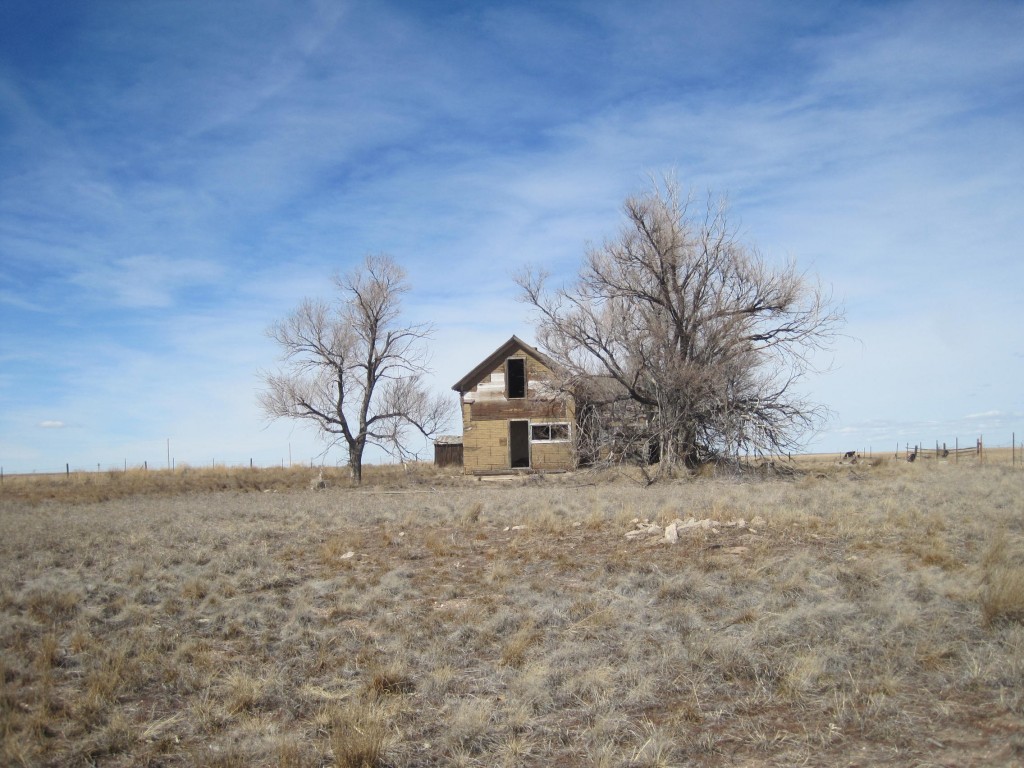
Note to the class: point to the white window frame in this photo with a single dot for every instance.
(566, 424)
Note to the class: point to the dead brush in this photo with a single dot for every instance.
(471, 515)
(49, 653)
(195, 589)
(390, 679)
(334, 550)
(516, 648)
(242, 692)
(440, 544)
(358, 734)
(933, 549)
(1002, 583)
(469, 724)
(550, 518)
(53, 605)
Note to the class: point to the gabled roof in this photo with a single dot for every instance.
(515, 344)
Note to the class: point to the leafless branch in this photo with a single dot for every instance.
(684, 343)
(354, 369)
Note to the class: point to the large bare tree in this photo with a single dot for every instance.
(355, 370)
(681, 343)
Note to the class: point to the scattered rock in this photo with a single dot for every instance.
(704, 524)
(644, 529)
(671, 533)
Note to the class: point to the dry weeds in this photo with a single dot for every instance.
(877, 617)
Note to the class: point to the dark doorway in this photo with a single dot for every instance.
(519, 443)
(516, 377)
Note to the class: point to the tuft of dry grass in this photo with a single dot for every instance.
(358, 735)
(873, 615)
(1002, 581)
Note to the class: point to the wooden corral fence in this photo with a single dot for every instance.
(944, 452)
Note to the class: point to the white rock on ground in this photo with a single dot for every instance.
(677, 526)
(644, 529)
(671, 533)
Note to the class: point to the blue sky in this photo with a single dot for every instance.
(175, 176)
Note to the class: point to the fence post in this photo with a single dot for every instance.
(957, 452)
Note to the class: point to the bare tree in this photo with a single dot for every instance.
(355, 370)
(681, 343)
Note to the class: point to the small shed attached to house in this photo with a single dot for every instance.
(448, 451)
(512, 416)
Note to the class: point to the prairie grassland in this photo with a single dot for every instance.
(80, 487)
(872, 615)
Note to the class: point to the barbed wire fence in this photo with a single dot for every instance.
(978, 451)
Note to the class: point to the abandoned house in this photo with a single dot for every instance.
(512, 418)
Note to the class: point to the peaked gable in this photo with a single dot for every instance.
(510, 347)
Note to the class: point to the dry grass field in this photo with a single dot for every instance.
(847, 615)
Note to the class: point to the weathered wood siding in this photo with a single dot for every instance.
(448, 455)
(486, 412)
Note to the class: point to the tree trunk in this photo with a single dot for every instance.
(355, 460)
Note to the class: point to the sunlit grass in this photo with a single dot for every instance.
(873, 615)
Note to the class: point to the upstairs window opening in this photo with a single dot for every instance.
(515, 375)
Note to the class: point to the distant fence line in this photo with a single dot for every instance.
(173, 466)
(918, 451)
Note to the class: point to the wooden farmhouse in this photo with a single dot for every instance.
(512, 418)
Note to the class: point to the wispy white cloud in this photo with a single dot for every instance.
(984, 415)
(171, 186)
(147, 280)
